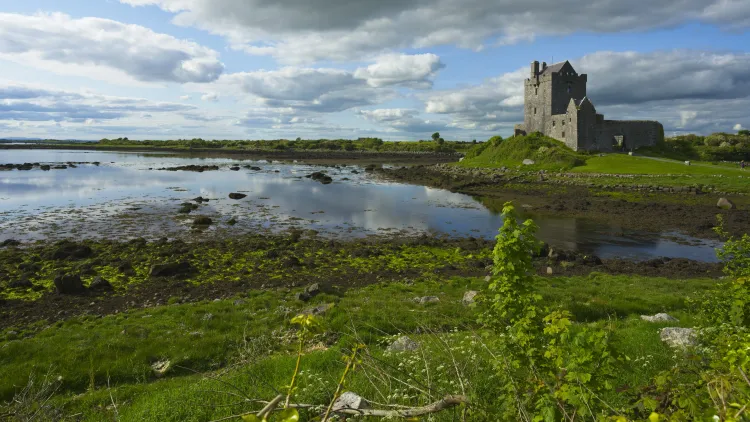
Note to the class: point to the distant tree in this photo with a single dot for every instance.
(436, 136)
(744, 132)
(440, 141)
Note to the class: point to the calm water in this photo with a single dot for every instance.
(122, 198)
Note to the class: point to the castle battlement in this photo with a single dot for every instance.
(555, 104)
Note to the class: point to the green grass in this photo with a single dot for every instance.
(547, 153)
(250, 345)
(626, 164)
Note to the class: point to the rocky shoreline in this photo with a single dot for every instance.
(689, 210)
(55, 281)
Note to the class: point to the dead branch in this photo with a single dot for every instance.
(445, 403)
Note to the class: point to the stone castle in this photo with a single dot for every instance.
(556, 105)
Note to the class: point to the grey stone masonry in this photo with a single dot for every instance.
(556, 105)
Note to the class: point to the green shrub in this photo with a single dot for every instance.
(546, 152)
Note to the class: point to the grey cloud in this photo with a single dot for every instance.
(305, 31)
(138, 51)
(685, 90)
(309, 90)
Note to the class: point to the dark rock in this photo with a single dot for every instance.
(202, 221)
(100, 284)
(171, 269)
(60, 167)
(200, 199)
(9, 242)
(23, 283)
(232, 221)
(45, 167)
(236, 195)
(254, 168)
(31, 267)
(69, 284)
(187, 208)
(70, 250)
(320, 177)
(234, 168)
(192, 167)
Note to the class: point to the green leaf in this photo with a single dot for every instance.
(289, 415)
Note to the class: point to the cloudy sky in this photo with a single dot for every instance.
(397, 69)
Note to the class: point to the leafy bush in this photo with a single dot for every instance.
(551, 370)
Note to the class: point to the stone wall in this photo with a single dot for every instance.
(537, 100)
(635, 133)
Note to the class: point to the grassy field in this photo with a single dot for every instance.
(104, 364)
(626, 164)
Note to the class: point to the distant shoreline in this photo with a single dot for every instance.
(411, 156)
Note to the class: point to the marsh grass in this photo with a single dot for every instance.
(249, 344)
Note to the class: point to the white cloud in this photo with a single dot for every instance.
(403, 120)
(414, 71)
(302, 32)
(37, 104)
(92, 46)
(210, 96)
(184, 97)
(738, 127)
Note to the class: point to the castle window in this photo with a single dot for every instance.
(536, 91)
(534, 110)
(569, 88)
(553, 123)
(563, 135)
(563, 122)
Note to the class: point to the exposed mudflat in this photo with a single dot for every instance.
(217, 269)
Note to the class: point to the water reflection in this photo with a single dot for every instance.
(123, 198)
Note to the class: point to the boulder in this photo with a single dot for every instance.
(403, 344)
(171, 269)
(200, 199)
(9, 242)
(202, 221)
(349, 400)
(426, 299)
(660, 317)
(22, 283)
(99, 283)
(320, 177)
(725, 204)
(235, 168)
(254, 168)
(161, 367)
(69, 284)
(549, 270)
(70, 250)
(236, 195)
(313, 289)
(45, 167)
(678, 337)
(318, 310)
(469, 297)
(528, 162)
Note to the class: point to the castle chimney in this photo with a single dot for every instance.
(544, 66)
(534, 68)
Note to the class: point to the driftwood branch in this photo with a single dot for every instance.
(446, 402)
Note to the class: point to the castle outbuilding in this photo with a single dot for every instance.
(555, 104)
